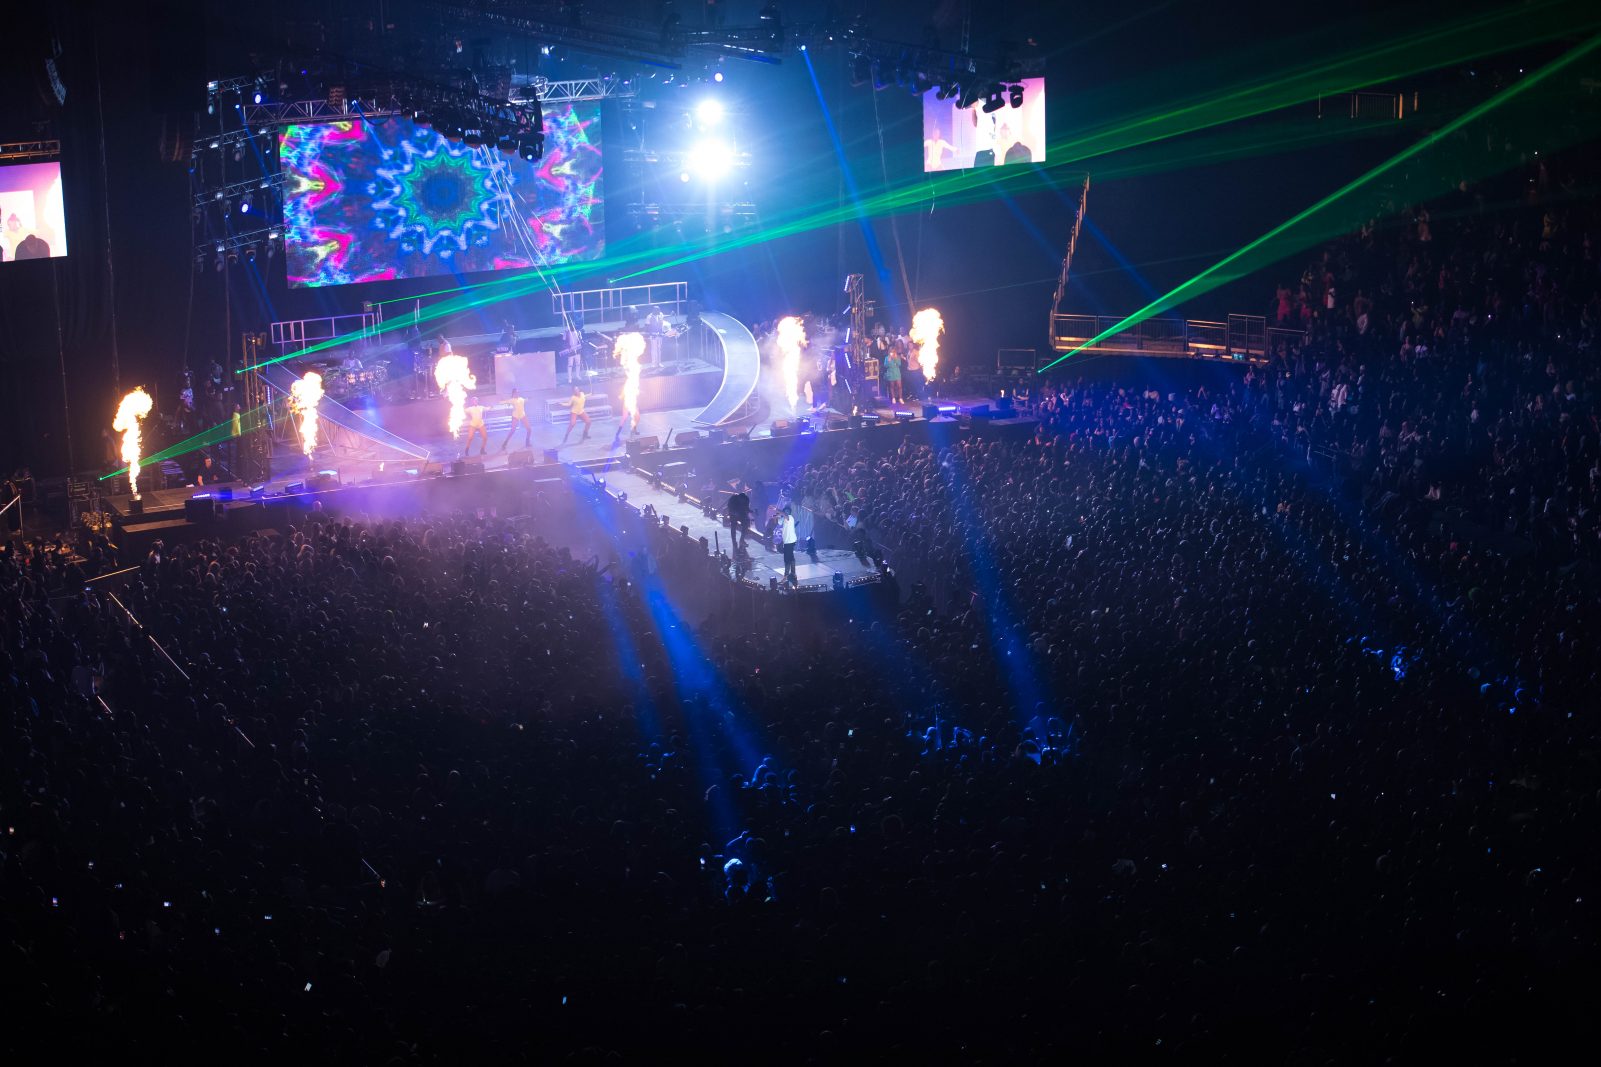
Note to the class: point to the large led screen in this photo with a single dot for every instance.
(957, 138)
(33, 224)
(383, 199)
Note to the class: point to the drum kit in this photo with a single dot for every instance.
(353, 378)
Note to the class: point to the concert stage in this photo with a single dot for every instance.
(710, 415)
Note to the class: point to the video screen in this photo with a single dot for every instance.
(33, 223)
(385, 199)
(958, 138)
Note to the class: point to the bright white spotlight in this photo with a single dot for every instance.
(709, 112)
(711, 159)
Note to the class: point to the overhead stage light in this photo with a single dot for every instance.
(709, 112)
(996, 100)
(710, 159)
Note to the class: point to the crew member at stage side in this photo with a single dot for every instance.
(519, 416)
(788, 536)
(508, 338)
(573, 348)
(577, 403)
(738, 520)
(476, 428)
(655, 329)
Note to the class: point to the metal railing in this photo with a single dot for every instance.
(1241, 339)
(613, 303)
(296, 335)
(1364, 104)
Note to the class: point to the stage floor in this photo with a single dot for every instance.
(604, 449)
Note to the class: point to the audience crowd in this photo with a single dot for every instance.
(1220, 713)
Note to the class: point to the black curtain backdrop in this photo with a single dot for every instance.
(110, 59)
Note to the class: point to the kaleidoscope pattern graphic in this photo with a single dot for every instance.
(369, 201)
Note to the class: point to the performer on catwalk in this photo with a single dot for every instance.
(789, 538)
(738, 520)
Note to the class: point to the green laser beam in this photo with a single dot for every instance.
(1199, 284)
(1482, 35)
(254, 419)
(1406, 54)
(1470, 38)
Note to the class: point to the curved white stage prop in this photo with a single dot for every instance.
(742, 366)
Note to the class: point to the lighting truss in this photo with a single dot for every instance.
(225, 139)
(678, 157)
(266, 183)
(235, 241)
(600, 33)
(28, 150)
(742, 209)
(218, 86)
(291, 112)
(607, 87)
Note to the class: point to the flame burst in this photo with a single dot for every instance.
(303, 397)
(135, 406)
(454, 377)
(628, 348)
(791, 337)
(926, 328)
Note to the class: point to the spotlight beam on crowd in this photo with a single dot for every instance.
(1268, 248)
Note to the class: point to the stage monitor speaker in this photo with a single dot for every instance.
(783, 428)
(200, 509)
(523, 457)
(838, 422)
(981, 411)
(930, 411)
(688, 437)
(552, 455)
(716, 437)
(638, 446)
(322, 482)
(462, 466)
